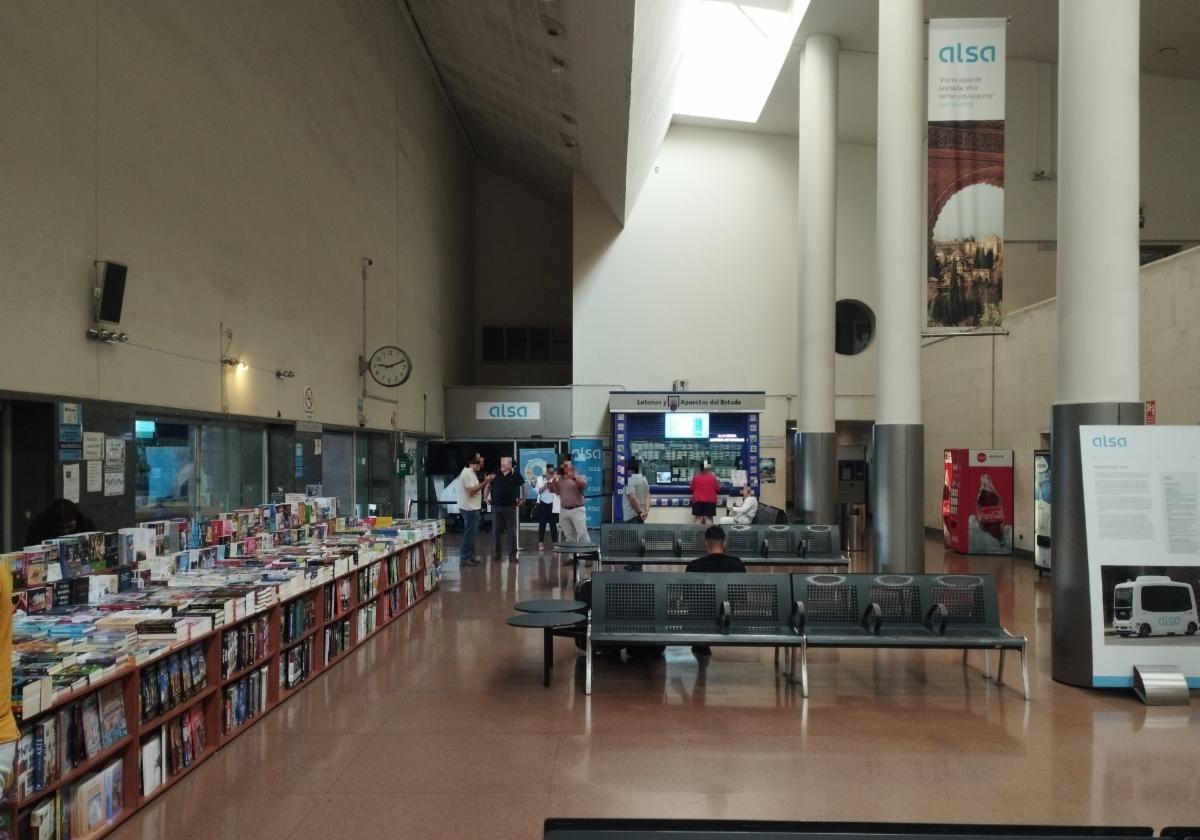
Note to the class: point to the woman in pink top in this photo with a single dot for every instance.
(705, 487)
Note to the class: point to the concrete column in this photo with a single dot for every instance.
(897, 476)
(1098, 318)
(815, 490)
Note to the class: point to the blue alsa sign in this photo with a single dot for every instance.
(960, 53)
(508, 411)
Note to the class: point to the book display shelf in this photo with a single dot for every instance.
(89, 758)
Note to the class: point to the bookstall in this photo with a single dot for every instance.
(120, 693)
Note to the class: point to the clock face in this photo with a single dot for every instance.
(390, 366)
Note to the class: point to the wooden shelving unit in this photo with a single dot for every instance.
(210, 697)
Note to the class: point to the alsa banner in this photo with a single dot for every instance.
(965, 277)
(508, 411)
(587, 454)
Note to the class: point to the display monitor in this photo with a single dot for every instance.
(686, 425)
(662, 477)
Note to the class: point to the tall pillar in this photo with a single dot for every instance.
(815, 490)
(1098, 319)
(897, 476)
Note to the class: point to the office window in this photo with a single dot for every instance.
(526, 344)
(166, 468)
(233, 461)
(493, 344)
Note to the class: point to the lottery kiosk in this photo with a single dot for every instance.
(671, 433)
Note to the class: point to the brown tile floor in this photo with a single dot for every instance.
(440, 728)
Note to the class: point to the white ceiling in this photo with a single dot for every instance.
(1032, 35)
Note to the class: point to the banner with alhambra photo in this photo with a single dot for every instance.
(965, 222)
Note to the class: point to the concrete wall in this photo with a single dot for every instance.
(522, 274)
(241, 158)
(998, 391)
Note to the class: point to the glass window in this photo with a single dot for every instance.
(1123, 597)
(1166, 599)
(337, 468)
(854, 328)
(232, 462)
(493, 344)
(166, 468)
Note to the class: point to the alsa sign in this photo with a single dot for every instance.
(508, 411)
(959, 53)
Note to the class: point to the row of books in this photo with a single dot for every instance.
(80, 810)
(244, 645)
(244, 699)
(77, 733)
(365, 620)
(178, 744)
(297, 618)
(297, 664)
(172, 680)
(337, 640)
(337, 597)
(370, 581)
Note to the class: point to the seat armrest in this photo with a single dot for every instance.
(801, 548)
(725, 616)
(799, 617)
(641, 547)
(872, 619)
(937, 618)
(763, 549)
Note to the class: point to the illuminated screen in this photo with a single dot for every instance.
(681, 425)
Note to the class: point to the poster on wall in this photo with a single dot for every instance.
(1041, 509)
(534, 463)
(1141, 495)
(977, 501)
(965, 224)
(588, 456)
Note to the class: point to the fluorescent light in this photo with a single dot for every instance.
(733, 53)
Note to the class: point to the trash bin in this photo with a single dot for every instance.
(854, 527)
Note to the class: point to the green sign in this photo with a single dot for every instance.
(404, 465)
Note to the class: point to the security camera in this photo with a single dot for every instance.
(368, 261)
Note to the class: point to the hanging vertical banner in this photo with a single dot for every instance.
(588, 456)
(965, 276)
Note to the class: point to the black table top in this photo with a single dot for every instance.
(577, 547)
(543, 620)
(550, 605)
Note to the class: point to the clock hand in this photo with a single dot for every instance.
(393, 364)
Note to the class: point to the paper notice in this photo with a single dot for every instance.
(95, 476)
(114, 482)
(114, 451)
(93, 446)
(71, 482)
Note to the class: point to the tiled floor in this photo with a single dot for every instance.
(440, 728)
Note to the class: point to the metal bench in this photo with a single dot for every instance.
(760, 545)
(734, 609)
(934, 611)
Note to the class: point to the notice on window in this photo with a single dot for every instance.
(93, 446)
(71, 482)
(95, 476)
(1141, 493)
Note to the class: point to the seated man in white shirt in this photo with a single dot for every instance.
(742, 513)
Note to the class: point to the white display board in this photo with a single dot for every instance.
(1141, 492)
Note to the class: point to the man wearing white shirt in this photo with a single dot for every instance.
(470, 498)
(743, 512)
(547, 507)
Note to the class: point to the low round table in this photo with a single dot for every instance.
(577, 550)
(550, 605)
(549, 622)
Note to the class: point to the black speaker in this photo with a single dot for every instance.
(110, 285)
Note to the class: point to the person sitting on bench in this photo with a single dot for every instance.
(743, 512)
(714, 560)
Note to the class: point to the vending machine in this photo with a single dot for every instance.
(977, 501)
(1041, 510)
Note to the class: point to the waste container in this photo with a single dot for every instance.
(854, 527)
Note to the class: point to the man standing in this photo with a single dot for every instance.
(705, 487)
(547, 507)
(507, 490)
(569, 486)
(470, 495)
(635, 504)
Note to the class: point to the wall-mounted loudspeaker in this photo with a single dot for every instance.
(110, 291)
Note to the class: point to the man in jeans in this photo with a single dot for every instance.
(573, 517)
(508, 488)
(470, 495)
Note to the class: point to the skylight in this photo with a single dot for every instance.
(733, 52)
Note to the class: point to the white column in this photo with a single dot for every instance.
(816, 471)
(1098, 202)
(1098, 296)
(897, 481)
(818, 214)
(900, 212)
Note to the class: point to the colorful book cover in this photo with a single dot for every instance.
(92, 740)
(112, 714)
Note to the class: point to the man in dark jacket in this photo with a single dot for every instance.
(714, 560)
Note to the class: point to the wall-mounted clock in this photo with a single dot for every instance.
(390, 366)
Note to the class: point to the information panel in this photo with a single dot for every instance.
(1141, 491)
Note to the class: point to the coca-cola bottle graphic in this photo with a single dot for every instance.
(989, 508)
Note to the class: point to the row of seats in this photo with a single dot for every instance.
(626, 541)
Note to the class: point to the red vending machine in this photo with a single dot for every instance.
(977, 501)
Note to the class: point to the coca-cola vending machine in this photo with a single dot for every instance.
(977, 501)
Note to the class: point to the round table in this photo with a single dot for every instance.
(549, 622)
(576, 550)
(550, 605)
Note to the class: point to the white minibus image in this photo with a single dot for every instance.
(1154, 605)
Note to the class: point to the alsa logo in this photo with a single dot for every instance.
(1109, 442)
(585, 454)
(502, 411)
(966, 54)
